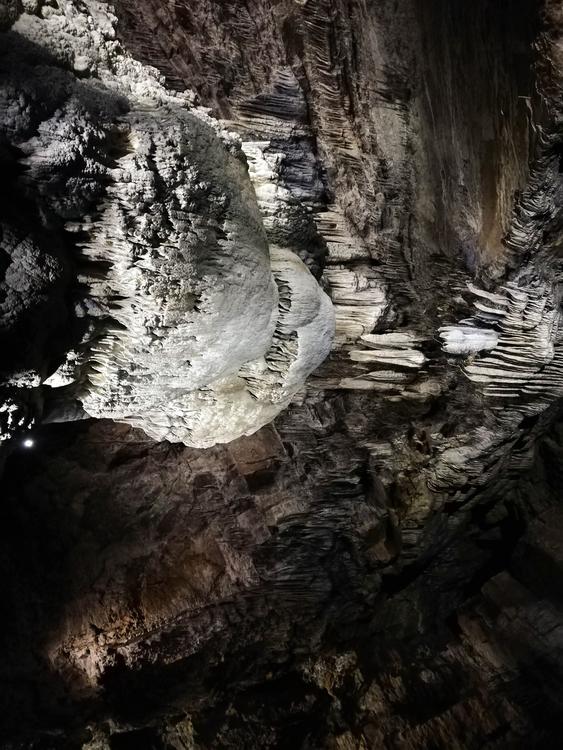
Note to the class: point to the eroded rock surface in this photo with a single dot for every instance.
(196, 331)
(379, 568)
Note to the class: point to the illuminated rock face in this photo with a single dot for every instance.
(216, 333)
(311, 585)
(201, 333)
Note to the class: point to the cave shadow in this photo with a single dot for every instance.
(34, 212)
(38, 535)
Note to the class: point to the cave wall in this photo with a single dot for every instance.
(372, 570)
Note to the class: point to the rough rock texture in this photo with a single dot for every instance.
(381, 567)
(195, 599)
(197, 332)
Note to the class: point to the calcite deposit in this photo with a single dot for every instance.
(301, 259)
(197, 330)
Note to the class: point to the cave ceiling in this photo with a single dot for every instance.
(281, 430)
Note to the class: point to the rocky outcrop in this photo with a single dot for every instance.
(196, 331)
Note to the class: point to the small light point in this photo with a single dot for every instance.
(28, 443)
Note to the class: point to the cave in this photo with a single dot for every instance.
(281, 408)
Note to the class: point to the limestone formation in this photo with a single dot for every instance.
(312, 249)
(197, 332)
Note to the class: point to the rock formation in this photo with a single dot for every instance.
(341, 214)
(198, 333)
